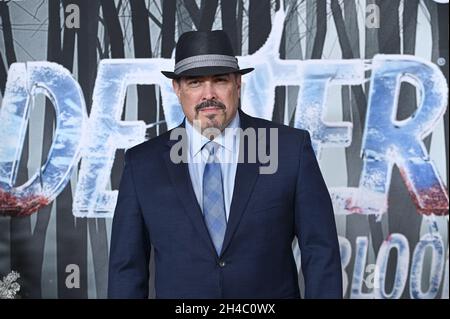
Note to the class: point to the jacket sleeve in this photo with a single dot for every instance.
(316, 229)
(130, 246)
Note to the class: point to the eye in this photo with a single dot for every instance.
(193, 83)
(222, 79)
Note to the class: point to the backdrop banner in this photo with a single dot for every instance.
(80, 83)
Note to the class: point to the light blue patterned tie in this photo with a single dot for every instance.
(213, 201)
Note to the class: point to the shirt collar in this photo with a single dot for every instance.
(226, 139)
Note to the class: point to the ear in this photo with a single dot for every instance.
(176, 87)
(238, 82)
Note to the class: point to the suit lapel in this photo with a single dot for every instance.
(181, 181)
(246, 176)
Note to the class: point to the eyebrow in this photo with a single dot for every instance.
(187, 78)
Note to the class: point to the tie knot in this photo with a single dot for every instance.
(211, 147)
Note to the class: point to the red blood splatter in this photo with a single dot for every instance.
(433, 200)
(353, 209)
(11, 205)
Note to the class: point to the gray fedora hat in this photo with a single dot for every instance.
(201, 53)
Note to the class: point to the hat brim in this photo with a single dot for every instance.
(204, 71)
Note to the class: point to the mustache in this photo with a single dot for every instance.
(209, 103)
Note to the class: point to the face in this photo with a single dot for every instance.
(212, 100)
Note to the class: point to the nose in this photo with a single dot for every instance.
(209, 92)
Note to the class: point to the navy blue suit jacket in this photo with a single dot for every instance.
(157, 206)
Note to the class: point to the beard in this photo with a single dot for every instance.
(214, 120)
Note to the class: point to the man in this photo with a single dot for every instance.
(220, 228)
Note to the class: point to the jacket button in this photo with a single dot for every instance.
(222, 263)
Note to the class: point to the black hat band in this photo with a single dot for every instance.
(206, 60)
